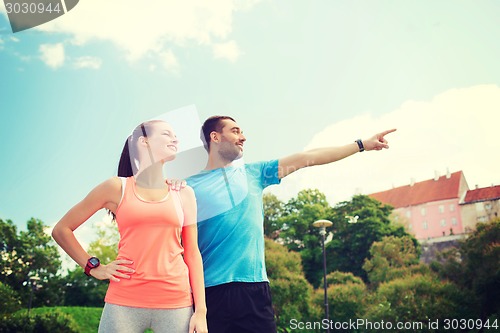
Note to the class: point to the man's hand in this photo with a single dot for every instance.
(176, 184)
(378, 141)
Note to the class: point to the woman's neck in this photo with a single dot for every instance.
(151, 177)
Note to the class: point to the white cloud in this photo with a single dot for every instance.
(87, 62)
(52, 54)
(246, 4)
(228, 50)
(152, 27)
(456, 130)
(169, 61)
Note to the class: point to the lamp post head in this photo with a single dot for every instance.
(322, 224)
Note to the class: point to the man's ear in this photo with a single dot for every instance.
(214, 136)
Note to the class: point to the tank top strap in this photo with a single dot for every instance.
(177, 200)
(124, 184)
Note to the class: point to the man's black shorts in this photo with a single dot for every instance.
(240, 307)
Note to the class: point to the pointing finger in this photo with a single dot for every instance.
(384, 133)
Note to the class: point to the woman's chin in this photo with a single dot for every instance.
(169, 158)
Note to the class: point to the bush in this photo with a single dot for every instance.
(9, 300)
(346, 294)
(419, 298)
(291, 292)
(475, 267)
(50, 322)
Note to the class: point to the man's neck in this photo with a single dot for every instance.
(215, 161)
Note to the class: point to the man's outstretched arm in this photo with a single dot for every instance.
(320, 156)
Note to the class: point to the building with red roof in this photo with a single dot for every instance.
(480, 205)
(441, 206)
(430, 208)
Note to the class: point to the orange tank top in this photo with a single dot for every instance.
(150, 236)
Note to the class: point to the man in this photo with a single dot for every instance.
(230, 223)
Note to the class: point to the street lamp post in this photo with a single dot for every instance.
(323, 224)
(32, 280)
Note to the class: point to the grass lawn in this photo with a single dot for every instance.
(87, 318)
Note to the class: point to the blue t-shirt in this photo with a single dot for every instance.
(231, 221)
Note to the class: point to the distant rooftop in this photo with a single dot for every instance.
(441, 188)
(482, 194)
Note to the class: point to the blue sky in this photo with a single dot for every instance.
(294, 74)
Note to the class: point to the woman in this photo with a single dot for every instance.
(158, 272)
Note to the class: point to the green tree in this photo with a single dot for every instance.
(105, 247)
(475, 265)
(273, 211)
(81, 290)
(9, 300)
(408, 291)
(351, 242)
(299, 214)
(298, 233)
(11, 270)
(418, 298)
(28, 254)
(347, 245)
(393, 257)
(291, 292)
(346, 294)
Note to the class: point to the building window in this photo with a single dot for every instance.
(410, 226)
(425, 226)
(408, 213)
(454, 221)
(443, 222)
(422, 211)
(452, 208)
(482, 219)
(487, 206)
(441, 209)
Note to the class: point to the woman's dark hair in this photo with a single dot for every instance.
(125, 165)
(125, 168)
(210, 125)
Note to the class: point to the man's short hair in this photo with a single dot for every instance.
(210, 125)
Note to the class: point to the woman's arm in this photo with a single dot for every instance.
(193, 260)
(105, 195)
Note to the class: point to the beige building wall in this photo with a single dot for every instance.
(479, 212)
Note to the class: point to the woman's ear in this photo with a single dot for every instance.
(143, 141)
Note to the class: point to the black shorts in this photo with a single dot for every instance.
(240, 307)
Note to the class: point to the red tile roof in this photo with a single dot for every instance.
(483, 194)
(422, 192)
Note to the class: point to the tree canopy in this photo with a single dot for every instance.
(28, 257)
(347, 244)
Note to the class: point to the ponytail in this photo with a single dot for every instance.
(125, 165)
(124, 169)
